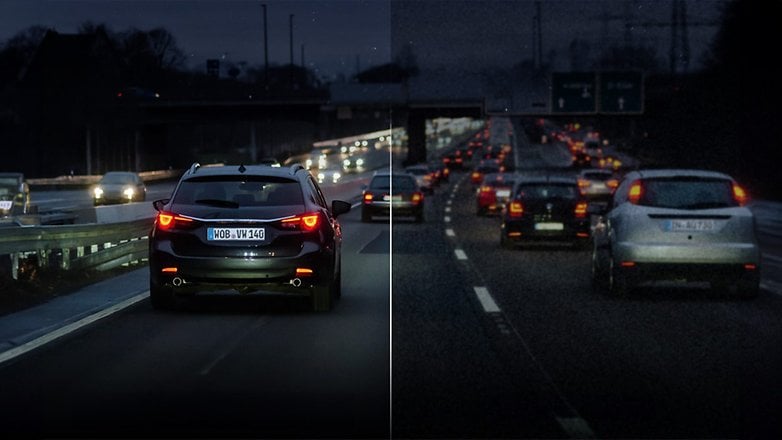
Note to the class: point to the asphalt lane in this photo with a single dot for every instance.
(223, 366)
(663, 362)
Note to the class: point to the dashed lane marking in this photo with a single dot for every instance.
(449, 232)
(447, 209)
(447, 219)
(460, 255)
(487, 302)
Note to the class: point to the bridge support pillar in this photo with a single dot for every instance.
(416, 137)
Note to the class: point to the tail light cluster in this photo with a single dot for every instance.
(581, 209)
(635, 193)
(305, 222)
(417, 198)
(167, 221)
(368, 197)
(516, 209)
(740, 195)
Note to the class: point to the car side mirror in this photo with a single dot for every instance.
(338, 207)
(159, 204)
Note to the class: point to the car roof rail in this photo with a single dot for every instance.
(295, 168)
(193, 168)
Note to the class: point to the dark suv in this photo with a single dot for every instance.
(254, 228)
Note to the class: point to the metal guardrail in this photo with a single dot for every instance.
(77, 247)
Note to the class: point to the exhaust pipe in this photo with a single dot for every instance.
(296, 282)
(177, 281)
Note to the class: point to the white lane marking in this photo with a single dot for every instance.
(449, 232)
(449, 202)
(575, 427)
(489, 306)
(772, 287)
(355, 205)
(230, 347)
(70, 328)
(447, 219)
(447, 209)
(460, 254)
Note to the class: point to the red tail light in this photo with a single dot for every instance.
(583, 183)
(476, 176)
(581, 210)
(636, 190)
(740, 195)
(612, 183)
(516, 209)
(417, 198)
(166, 221)
(305, 222)
(486, 188)
(368, 198)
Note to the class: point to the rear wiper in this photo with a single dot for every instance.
(218, 202)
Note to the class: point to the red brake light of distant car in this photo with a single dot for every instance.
(306, 222)
(417, 197)
(740, 195)
(486, 188)
(583, 183)
(516, 209)
(446, 160)
(447, 171)
(750, 266)
(612, 183)
(581, 210)
(167, 221)
(635, 192)
(476, 175)
(368, 198)
(169, 270)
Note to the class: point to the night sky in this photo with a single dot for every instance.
(341, 35)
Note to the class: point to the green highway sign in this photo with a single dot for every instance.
(573, 92)
(621, 92)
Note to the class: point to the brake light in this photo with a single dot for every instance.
(750, 266)
(583, 183)
(627, 264)
(485, 188)
(417, 197)
(476, 176)
(635, 192)
(612, 183)
(368, 198)
(740, 195)
(516, 209)
(306, 222)
(581, 210)
(304, 272)
(167, 221)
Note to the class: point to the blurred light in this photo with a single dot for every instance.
(98, 191)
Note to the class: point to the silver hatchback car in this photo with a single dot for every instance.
(676, 225)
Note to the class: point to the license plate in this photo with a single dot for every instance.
(235, 234)
(397, 198)
(549, 226)
(694, 225)
(503, 193)
(6, 204)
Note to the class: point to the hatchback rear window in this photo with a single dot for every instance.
(687, 193)
(548, 191)
(597, 176)
(239, 191)
(400, 183)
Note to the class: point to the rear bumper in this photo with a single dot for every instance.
(523, 230)
(399, 208)
(215, 273)
(713, 254)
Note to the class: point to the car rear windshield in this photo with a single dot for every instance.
(686, 193)
(548, 191)
(417, 171)
(239, 191)
(597, 176)
(400, 183)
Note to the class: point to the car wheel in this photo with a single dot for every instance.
(617, 282)
(336, 286)
(162, 298)
(321, 299)
(599, 274)
(366, 216)
(748, 289)
(419, 218)
(505, 242)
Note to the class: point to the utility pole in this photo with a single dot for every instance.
(265, 49)
(290, 19)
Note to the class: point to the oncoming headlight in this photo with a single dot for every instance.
(97, 192)
(128, 192)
